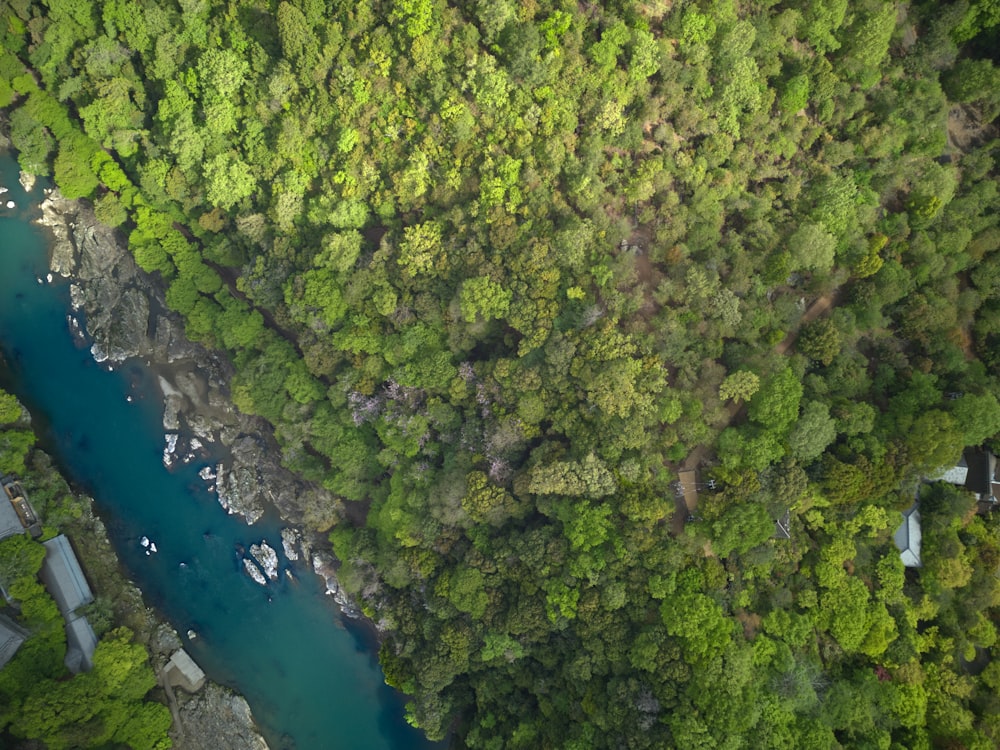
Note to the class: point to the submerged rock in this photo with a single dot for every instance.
(264, 554)
(173, 403)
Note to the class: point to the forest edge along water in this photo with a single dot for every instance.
(309, 674)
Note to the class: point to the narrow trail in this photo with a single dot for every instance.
(687, 505)
(178, 727)
(736, 408)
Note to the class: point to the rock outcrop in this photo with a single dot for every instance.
(127, 317)
(291, 541)
(267, 558)
(253, 570)
(324, 565)
(217, 719)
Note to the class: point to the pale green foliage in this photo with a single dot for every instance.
(589, 477)
(229, 180)
(795, 95)
(10, 408)
(421, 248)
(812, 247)
(740, 385)
(822, 20)
(221, 73)
(699, 622)
(560, 600)
(483, 297)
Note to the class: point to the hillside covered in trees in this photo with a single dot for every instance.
(495, 271)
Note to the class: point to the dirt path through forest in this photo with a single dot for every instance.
(735, 408)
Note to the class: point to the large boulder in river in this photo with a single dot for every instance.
(267, 558)
(240, 486)
(58, 214)
(120, 333)
(108, 285)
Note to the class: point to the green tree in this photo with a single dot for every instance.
(740, 385)
(228, 180)
(820, 340)
(741, 528)
(699, 623)
(20, 557)
(420, 251)
(72, 168)
(812, 247)
(10, 408)
(776, 404)
(977, 416)
(934, 440)
(483, 297)
(813, 432)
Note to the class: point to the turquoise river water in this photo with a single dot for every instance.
(310, 677)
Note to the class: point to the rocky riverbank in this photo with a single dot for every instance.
(214, 718)
(126, 317)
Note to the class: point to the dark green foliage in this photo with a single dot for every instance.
(98, 707)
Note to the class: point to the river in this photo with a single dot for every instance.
(311, 676)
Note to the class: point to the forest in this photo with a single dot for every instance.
(497, 271)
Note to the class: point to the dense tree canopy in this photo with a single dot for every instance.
(495, 272)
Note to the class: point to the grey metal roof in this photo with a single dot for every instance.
(907, 538)
(783, 526)
(10, 524)
(11, 638)
(184, 672)
(80, 645)
(957, 474)
(63, 576)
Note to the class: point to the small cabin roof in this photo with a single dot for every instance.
(64, 577)
(81, 642)
(907, 538)
(10, 523)
(11, 638)
(184, 672)
(783, 526)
